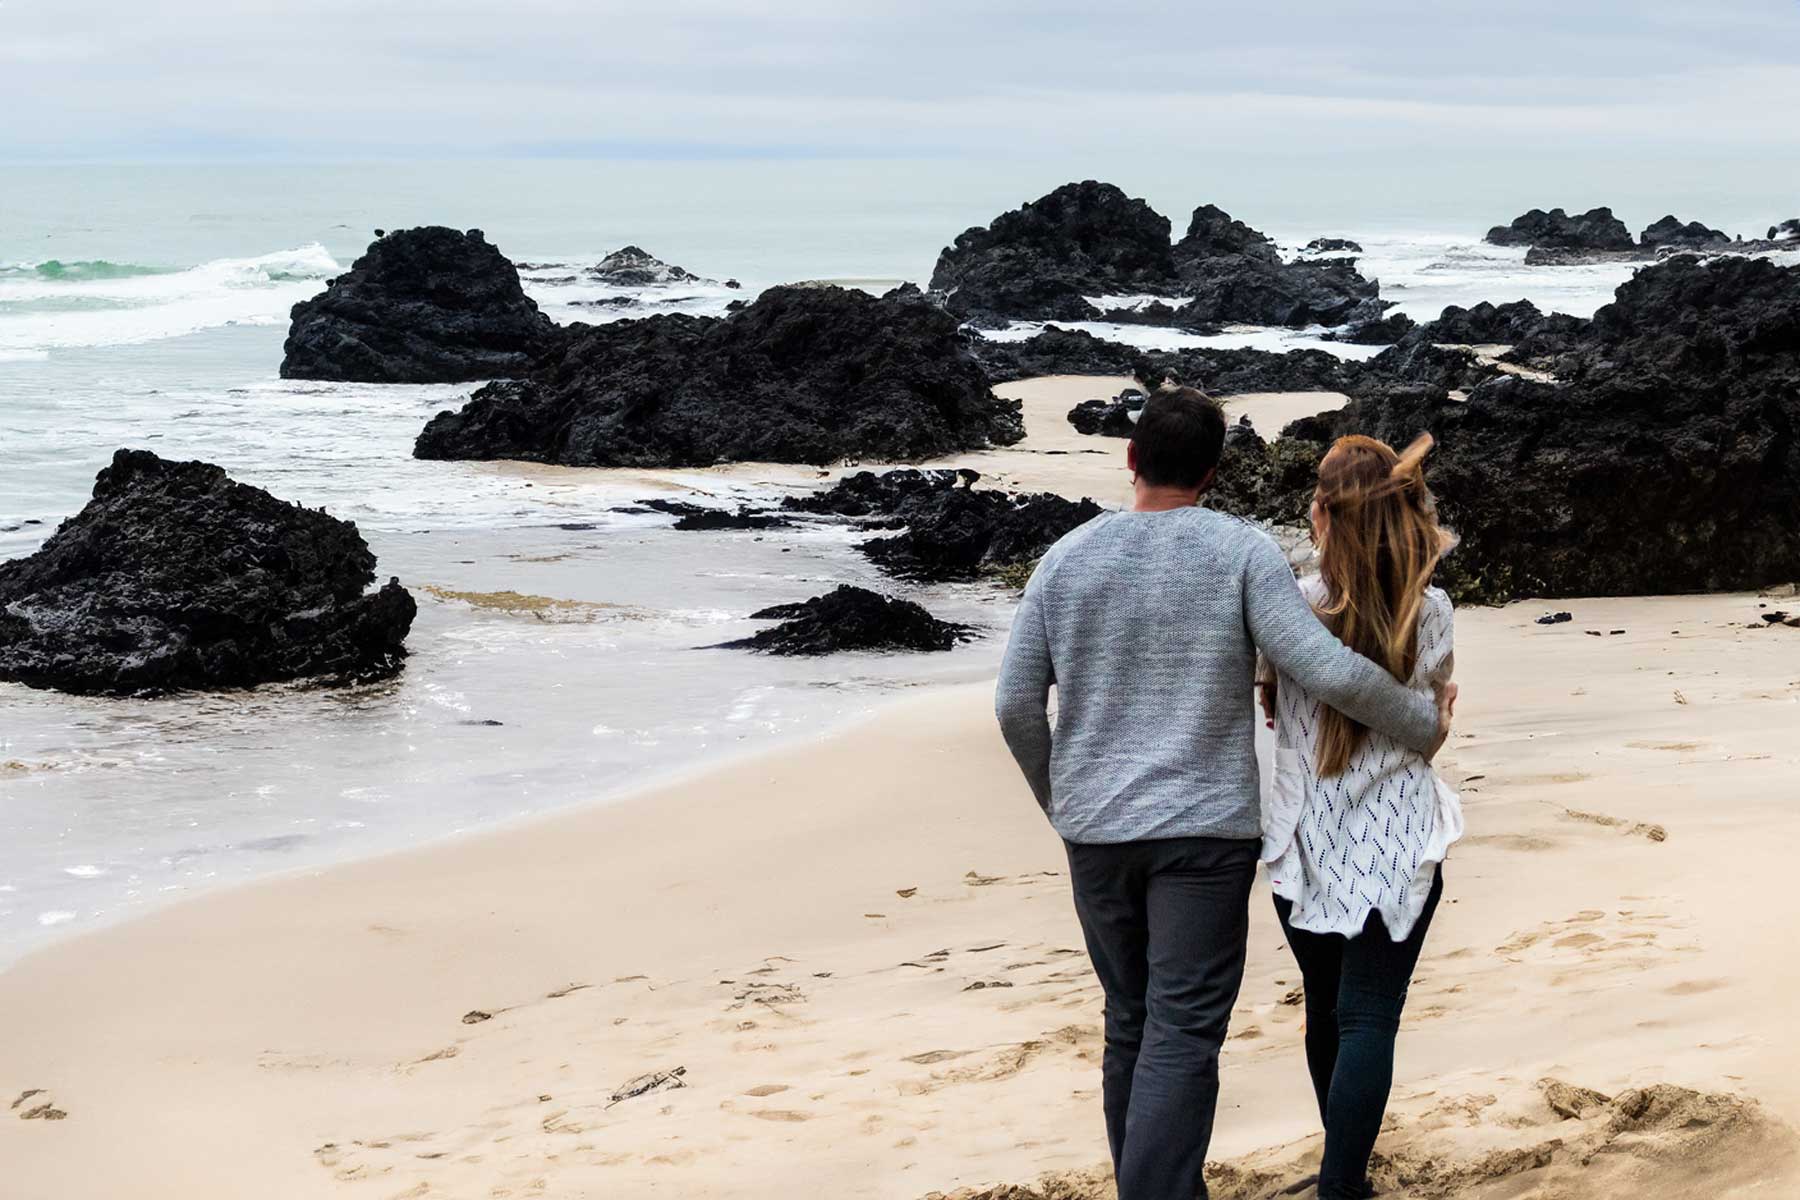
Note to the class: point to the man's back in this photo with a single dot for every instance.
(1144, 627)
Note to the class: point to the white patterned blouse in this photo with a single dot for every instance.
(1371, 838)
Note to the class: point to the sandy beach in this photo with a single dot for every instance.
(851, 968)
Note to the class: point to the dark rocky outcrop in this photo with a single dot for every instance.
(1596, 229)
(427, 305)
(1108, 418)
(1788, 230)
(1039, 260)
(1416, 360)
(1674, 234)
(1332, 245)
(850, 618)
(174, 577)
(1664, 458)
(1221, 372)
(1489, 324)
(1266, 481)
(948, 529)
(1235, 275)
(1251, 290)
(1382, 332)
(1057, 351)
(633, 266)
(1044, 260)
(802, 374)
(690, 517)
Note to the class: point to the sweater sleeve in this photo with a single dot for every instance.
(1022, 697)
(1285, 628)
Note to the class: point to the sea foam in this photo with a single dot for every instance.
(56, 305)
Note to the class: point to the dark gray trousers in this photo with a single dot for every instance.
(1166, 923)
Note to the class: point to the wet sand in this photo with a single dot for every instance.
(860, 954)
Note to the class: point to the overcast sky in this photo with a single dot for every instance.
(1648, 79)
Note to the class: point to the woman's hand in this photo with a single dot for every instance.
(1446, 706)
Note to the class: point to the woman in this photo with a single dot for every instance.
(1356, 825)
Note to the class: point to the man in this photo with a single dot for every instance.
(1148, 622)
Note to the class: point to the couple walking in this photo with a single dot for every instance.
(1148, 623)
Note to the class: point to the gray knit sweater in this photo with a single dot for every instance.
(1148, 624)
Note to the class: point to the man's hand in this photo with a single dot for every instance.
(1446, 707)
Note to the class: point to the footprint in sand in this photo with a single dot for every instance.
(766, 1089)
(1643, 829)
(34, 1104)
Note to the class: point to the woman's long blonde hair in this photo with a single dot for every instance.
(1379, 543)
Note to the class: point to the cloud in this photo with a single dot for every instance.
(798, 78)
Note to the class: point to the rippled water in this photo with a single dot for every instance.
(148, 308)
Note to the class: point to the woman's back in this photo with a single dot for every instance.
(1370, 837)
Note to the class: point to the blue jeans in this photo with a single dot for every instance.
(1355, 990)
(1165, 921)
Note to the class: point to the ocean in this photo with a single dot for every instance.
(145, 306)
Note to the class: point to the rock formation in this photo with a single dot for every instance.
(1235, 275)
(948, 529)
(850, 618)
(427, 305)
(1221, 372)
(174, 577)
(1046, 259)
(1596, 229)
(802, 374)
(1108, 418)
(1662, 459)
(1039, 260)
(1673, 234)
(1332, 245)
(1491, 324)
(633, 266)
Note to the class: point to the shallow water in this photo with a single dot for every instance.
(146, 307)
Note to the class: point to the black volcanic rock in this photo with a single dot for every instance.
(174, 577)
(1057, 351)
(633, 266)
(1487, 324)
(850, 618)
(1788, 230)
(1222, 372)
(1214, 233)
(1039, 260)
(1235, 275)
(690, 517)
(1250, 290)
(963, 533)
(1382, 332)
(1596, 229)
(802, 374)
(1664, 460)
(1331, 245)
(1108, 418)
(1417, 360)
(1672, 233)
(1266, 481)
(949, 530)
(427, 305)
(1042, 261)
(881, 494)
